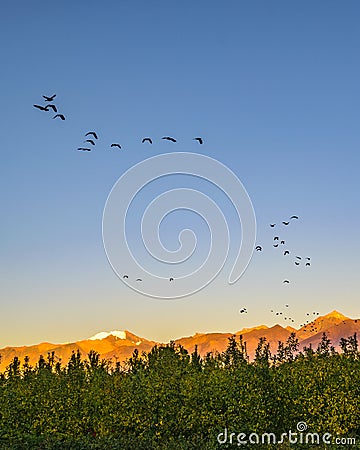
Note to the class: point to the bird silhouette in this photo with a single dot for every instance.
(282, 242)
(84, 149)
(242, 310)
(146, 140)
(138, 279)
(199, 139)
(51, 106)
(298, 257)
(276, 245)
(42, 108)
(90, 141)
(286, 281)
(286, 223)
(296, 263)
(258, 248)
(286, 252)
(89, 133)
(171, 279)
(294, 217)
(49, 99)
(125, 276)
(272, 225)
(307, 258)
(168, 138)
(307, 264)
(287, 307)
(115, 145)
(276, 238)
(61, 116)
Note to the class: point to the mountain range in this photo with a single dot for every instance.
(119, 345)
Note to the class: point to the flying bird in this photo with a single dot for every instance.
(125, 276)
(115, 145)
(307, 258)
(242, 310)
(90, 141)
(51, 106)
(168, 138)
(42, 108)
(49, 99)
(282, 242)
(286, 252)
(84, 149)
(89, 133)
(296, 263)
(199, 139)
(272, 225)
(286, 281)
(286, 223)
(276, 238)
(146, 140)
(298, 257)
(61, 116)
(171, 279)
(276, 245)
(258, 248)
(307, 264)
(138, 279)
(287, 307)
(294, 217)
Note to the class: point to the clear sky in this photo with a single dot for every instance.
(272, 87)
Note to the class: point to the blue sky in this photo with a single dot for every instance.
(273, 90)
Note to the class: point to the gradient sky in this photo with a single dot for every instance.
(272, 87)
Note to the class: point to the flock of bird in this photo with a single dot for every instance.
(92, 137)
(90, 142)
(49, 106)
(310, 326)
(116, 145)
(140, 279)
(277, 243)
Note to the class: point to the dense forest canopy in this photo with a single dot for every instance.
(170, 399)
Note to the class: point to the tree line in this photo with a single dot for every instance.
(169, 398)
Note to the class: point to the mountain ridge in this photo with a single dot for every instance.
(120, 344)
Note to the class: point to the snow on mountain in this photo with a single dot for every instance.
(104, 334)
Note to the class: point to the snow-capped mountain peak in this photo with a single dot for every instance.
(105, 334)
